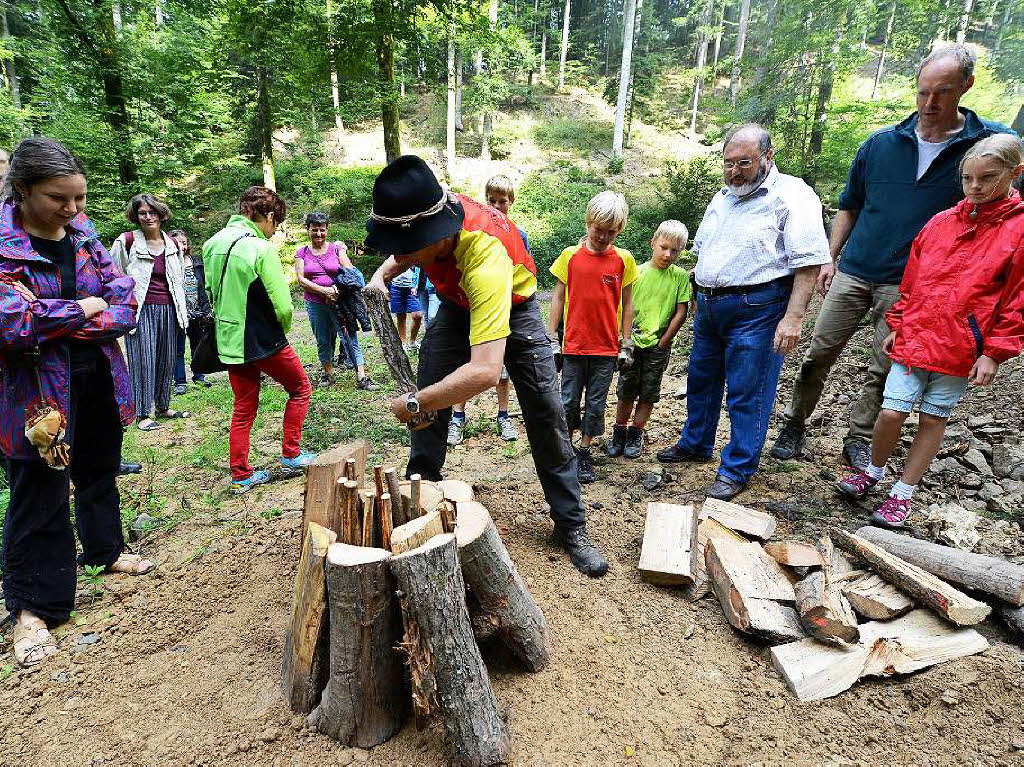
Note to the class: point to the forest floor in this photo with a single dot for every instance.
(182, 667)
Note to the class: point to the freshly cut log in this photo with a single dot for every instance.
(456, 490)
(500, 598)
(446, 669)
(752, 522)
(414, 534)
(350, 524)
(815, 671)
(369, 522)
(876, 599)
(667, 555)
(378, 480)
(991, 575)
(751, 588)
(351, 470)
(321, 502)
(824, 612)
(366, 699)
(794, 554)
(930, 591)
(415, 481)
(430, 496)
(385, 521)
(706, 528)
(305, 665)
(397, 507)
(448, 514)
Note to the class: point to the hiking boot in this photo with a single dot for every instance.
(892, 513)
(789, 444)
(180, 388)
(585, 466)
(856, 485)
(300, 461)
(240, 486)
(857, 453)
(456, 429)
(581, 550)
(507, 428)
(725, 489)
(675, 454)
(618, 441)
(366, 384)
(634, 442)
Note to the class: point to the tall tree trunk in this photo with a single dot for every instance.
(824, 96)
(158, 13)
(113, 96)
(885, 48)
(266, 128)
(459, 64)
(702, 56)
(485, 128)
(565, 45)
(1007, 15)
(10, 71)
(449, 144)
(737, 56)
(629, 18)
(718, 43)
(637, 36)
(115, 10)
(990, 22)
(335, 95)
(771, 18)
(383, 20)
(544, 52)
(964, 22)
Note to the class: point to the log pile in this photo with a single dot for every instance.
(391, 618)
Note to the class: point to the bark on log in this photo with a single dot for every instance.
(504, 602)
(947, 601)
(321, 502)
(824, 612)
(366, 699)
(304, 669)
(385, 521)
(397, 507)
(1013, 617)
(351, 470)
(350, 525)
(430, 496)
(369, 522)
(444, 659)
(414, 534)
(992, 575)
(706, 529)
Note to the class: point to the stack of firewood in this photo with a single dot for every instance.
(398, 586)
(882, 610)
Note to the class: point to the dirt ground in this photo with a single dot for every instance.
(182, 667)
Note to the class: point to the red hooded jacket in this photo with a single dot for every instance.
(962, 294)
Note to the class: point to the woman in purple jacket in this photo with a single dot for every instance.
(65, 395)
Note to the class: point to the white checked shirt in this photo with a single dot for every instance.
(770, 234)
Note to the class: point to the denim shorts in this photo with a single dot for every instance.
(937, 392)
(404, 302)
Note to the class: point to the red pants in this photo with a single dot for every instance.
(285, 368)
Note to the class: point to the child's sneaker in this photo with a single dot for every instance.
(857, 485)
(507, 428)
(618, 441)
(300, 461)
(634, 442)
(456, 431)
(892, 513)
(240, 486)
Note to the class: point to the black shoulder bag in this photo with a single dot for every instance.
(206, 358)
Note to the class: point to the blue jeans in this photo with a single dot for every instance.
(326, 330)
(732, 348)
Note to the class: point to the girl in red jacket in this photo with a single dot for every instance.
(959, 316)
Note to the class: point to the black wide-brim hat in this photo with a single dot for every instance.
(411, 210)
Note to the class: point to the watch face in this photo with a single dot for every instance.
(412, 405)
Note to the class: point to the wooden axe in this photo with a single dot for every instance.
(394, 354)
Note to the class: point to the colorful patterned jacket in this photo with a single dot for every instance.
(48, 321)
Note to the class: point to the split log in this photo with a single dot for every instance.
(351, 471)
(500, 598)
(815, 671)
(794, 554)
(706, 529)
(385, 521)
(752, 522)
(751, 588)
(449, 516)
(366, 699)
(369, 522)
(824, 612)
(444, 659)
(397, 508)
(930, 591)
(875, 599)
(350, 525)
(321, 502)
(668, 551)
(414, 493)
(305, 665)
(456, 490)
(991, 575)
(414, 534)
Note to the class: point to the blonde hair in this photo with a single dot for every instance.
(674, 231)
(1004, 147)
(501, 184)
(608, 208)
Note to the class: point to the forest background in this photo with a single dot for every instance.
(197, 100)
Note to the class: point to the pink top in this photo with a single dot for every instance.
(320, 269)
(159, 292)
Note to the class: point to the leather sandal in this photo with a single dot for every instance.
(33, 643)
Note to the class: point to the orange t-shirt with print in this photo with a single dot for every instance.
(593, 297)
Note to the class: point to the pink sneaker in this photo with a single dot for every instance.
(857, 485)
(892, 513)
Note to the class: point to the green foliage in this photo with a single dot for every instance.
(691, 185)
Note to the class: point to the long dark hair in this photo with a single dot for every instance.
(37, 159)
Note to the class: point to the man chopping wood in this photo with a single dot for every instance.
(487, 282)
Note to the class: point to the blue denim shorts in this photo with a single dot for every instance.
(937, 392)
(404, 302)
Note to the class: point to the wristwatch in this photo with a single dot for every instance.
(411, 403)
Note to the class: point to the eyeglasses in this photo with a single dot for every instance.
(741, 164)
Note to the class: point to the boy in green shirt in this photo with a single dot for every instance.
(661, 295)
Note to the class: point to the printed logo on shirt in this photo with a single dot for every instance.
(610, 280)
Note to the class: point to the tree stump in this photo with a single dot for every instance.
(446, 668)
(501, 598)
(366, 699)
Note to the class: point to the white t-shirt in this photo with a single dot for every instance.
(926, 153)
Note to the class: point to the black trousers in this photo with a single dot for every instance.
(531, 367)
(39, 567)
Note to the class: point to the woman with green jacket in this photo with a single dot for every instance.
(253, 311)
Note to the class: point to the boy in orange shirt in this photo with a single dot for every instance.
(594, 296)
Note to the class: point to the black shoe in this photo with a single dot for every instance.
(634, 443)
(618, 441)
(585, 466)
(366, 384)
(675, 454)
(581, 550)
(129, 468)
(180, 388)
(725, 489)
(857, 454)
(789, 444)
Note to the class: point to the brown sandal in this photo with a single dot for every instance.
(33, 644)
(131, 564)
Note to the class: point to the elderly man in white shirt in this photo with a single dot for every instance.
(759, 249)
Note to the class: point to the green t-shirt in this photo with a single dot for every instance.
(656, 293)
